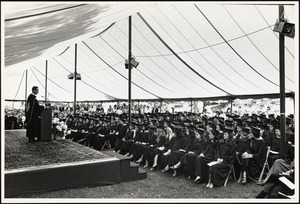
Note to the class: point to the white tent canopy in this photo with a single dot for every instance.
(184, 50)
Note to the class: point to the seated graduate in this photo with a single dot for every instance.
(148, 138)
(187, 162)
(207, 154)
(129, 136)
(176, 156)
(90, 140)
(136, 148)
(159, 150)
(279, 185)
(275, 141)
(282, 164)
(152, 141)
(225, 155)
(118, 130)
(176, 148)
(157, 141)
(255, 155)
(101, 135)
(127, 144)
(243, 144)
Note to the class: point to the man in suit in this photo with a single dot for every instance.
(33, 116)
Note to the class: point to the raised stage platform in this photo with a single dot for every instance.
(61, 164)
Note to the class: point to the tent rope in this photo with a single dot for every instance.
(211, 47)
(150, 59)
(41, 83)
(184, 62)
(234, 49)
(254, 43)
(19, 85)
(272, 29)
(200, 54)
(136, 69)
(117, 71)
(85, 72)
(169, 62)
(107, 95)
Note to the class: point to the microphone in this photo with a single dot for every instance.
(47, 103)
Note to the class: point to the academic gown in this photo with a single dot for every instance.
(33, 112)
(150, 151)
(119, 143)
(137, 148)
(175, 145)
(242, 146)
(129, 142)
(258, 148)
(201, 168)
(219, 172)
(175, 156)
(188, 160)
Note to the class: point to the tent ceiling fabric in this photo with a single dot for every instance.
(185, 50)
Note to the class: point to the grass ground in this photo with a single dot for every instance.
(158, 185)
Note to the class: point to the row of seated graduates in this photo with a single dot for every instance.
(95, 131)
(151, 143)
(81, 125)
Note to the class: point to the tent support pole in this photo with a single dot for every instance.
(75, 76)
(282, 87)
(129, 70)
(26, 87)
(46, 78)
(231, 99)
(293, 104)
(161, 106)
(191, 105)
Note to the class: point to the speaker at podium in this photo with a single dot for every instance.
(46, 125)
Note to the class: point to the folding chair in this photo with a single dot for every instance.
(231, 171)
(265, 165)
(106, 143)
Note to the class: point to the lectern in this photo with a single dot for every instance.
(46, 125)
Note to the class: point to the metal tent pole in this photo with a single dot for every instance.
(129, 70)
(46, 78)
(282, 87)
(75, 75)
(26, 87)
(231, 99)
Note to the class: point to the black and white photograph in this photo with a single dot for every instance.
(150, 102)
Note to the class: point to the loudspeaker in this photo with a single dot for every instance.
(285, 28)
(126, 64)
(134, 63)
(71, 76)
(78, 76)
(278, 26)
(288, 30)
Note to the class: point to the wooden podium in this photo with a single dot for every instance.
(46, 125)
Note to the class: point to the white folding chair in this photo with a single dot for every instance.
(266, 165)
(106, 143)
(231, 171)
